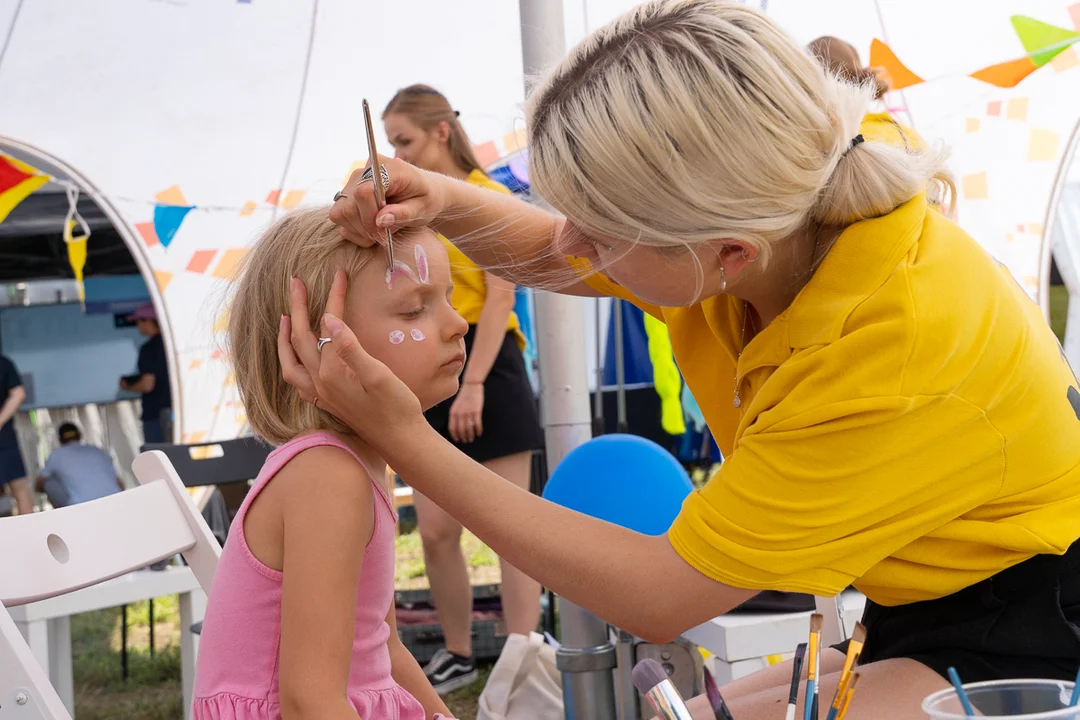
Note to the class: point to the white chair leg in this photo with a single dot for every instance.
(192, 609)
(61, 672)
(832, 630)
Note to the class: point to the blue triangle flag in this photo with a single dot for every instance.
(167, 219)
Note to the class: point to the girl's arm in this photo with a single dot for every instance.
(327, 520)
(467, 410)
(408, 674)
(498, 232)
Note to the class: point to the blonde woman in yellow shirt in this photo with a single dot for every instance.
(493, 417)
(893, 410)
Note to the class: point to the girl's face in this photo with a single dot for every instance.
(668, 277)
(413, 144)
(407, 322)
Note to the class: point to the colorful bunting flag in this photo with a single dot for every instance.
(76, 251)
(881, 55)
(17, 181)
(167, 219)
(1041, 41)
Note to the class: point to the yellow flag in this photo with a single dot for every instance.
(76, 250)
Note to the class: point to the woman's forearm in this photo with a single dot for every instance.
(507, 236)
(631, 580)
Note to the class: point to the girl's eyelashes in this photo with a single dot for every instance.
(413, 314)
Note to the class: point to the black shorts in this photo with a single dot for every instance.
(1023, 622)
(11, 464)
(510, 420)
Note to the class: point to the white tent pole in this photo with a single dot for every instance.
(586, 658)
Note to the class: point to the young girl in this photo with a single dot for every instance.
(300, 622)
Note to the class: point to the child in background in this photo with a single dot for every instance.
(300, 621)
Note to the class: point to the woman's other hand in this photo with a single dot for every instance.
(414, 198)
(344, 379)
(466, 413)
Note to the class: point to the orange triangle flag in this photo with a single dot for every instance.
(1006, 74)
(882, 56)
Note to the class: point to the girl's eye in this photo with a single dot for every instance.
(413, 314)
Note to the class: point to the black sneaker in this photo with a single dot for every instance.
(448, 672)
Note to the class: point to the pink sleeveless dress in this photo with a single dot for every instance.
(237, 673)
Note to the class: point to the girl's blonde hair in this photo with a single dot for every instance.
(304, 245)
(691, 120)
(426, 107)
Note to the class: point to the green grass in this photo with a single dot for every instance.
(1059, 308)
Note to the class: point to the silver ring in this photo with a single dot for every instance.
(383, 174)
(323, 341)
(339, 195)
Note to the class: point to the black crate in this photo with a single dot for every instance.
(425, 639)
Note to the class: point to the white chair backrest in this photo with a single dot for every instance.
(59, 551)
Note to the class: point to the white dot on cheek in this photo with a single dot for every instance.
(416, 335)
(396, 337)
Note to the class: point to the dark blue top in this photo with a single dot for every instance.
(9, 380)
(152, 361)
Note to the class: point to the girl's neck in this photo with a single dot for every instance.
(366, 453)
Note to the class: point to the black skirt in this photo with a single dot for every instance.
(510, 420)
(1023, 622)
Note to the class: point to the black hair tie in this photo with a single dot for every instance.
(855, 141)
(457, 113)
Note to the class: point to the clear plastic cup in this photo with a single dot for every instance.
(1013, 699)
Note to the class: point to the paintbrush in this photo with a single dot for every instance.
(796, 674)
(954, 677)
(855, 646)
(652, 681)
(847, 696)
(813, 660)
(719, 707)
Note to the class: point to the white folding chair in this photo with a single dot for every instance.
(59, 551)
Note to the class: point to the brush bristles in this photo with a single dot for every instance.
(816, 621)
(647, 674)
(859, 636)
(800, 652)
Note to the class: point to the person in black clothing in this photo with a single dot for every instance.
(12, 470)
(152, 380)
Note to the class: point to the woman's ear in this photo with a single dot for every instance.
(735, 255)
(442, 131)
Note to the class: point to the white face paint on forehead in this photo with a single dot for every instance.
(419, 276)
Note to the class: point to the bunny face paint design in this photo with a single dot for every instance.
(417, 334)
(421, 263)
(396, 337)
(419, 276)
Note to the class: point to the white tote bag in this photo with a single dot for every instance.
(524, 684)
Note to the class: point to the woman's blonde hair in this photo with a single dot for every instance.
(691, 120)
(426, 107)
(304, 245)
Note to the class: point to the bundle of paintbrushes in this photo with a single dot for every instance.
(845, 688)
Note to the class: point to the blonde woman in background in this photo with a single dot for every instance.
(493, 418)
(893, 410)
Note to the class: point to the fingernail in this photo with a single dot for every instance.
(292, 285)
(283, 321)
(385, 220)
(333, 325)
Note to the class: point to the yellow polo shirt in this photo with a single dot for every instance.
(470, 285)
(908, 424)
